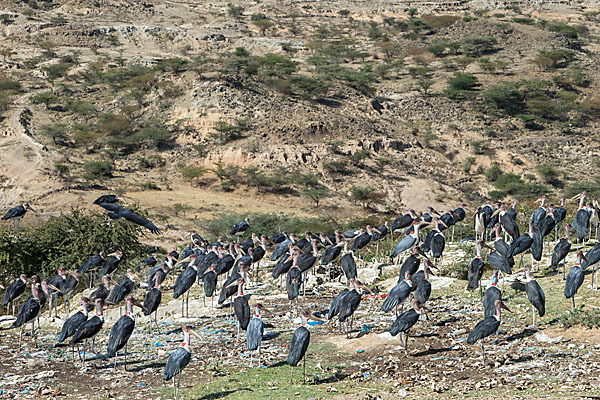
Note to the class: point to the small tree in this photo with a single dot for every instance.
(95, 170)
(423, 85)
(56, 132)
(234, 11)
(193, 172)
(315, 193)
(263, 25)
(366, 195)
(45, 98)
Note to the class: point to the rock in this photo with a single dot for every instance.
(542, 337)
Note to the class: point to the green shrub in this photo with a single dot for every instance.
(515, 186)
(80, 107)
(493, 173)
(580, 317)
(569, 31)
(9, 84)
(159, 138)
(192, 172)
(460, 84)
(549, 174)
(149, 186)
(224, 133)
(66, 240)
(366, 195)
(45, 98)
(95, 170)
(468, 164)
(234, 11)
(437, 48)
(476, 46)
(592, 188)
(505, 96)
(61, 168)
(56, 132)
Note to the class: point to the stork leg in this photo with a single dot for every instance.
(483, 352)
(573, 301)
(83, 360)
(125, 356)
(304, 367)
(187, 305)
(33, 333)
(174, 389)
(156, 321)
(21, 336)
(292, 375)
(406, 343)
(94, 345)
(533, 313)
(182, 304)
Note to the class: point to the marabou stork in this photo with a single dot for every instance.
(508, 223)
(115, 211)
(299, 342)
(561, 250)
(475, 271)
(349, 303)
(430, 214)
(535, 294)
(361, 241)
(241, 307)
(575, 278)
(404, 322)
(406, 242)
(592, 257)
(398, 295)
(522, 243)
(278, 237)
(537, 246)
(56, 284)
(293, 280)
(210, 284)
(240, 227)
(69, 287)
(28, 313)
(487, 211)
(257, 253)
(108, 199)
(14, 291)
(459, 215)
(479, 224)
(16, 213)
(254, 333)
(228, 290)
(582, 218)
(184, 282)
(348, 264)
(89, 329)
(179, 359)
(153, 298)
(404, 221)
(492, 294)
(560, 213)
(539, 213)
(334, 309)
(111, 264)
(121, 332)
(487, 326)
(423, 291)
(438, 241)
(120, 291)
(90, 265)
(74, 321)
(512, 211)
(103, 290)
(411, 264)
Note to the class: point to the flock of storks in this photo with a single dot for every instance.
(237, 263)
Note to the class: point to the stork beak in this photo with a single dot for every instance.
(437, 213)
(193, 332)
(442, 223)
(584, 257)
(504, 306)
(576, 196)
(111, 254)
(51, 286)
(360, 285)
(519, 271)
(377, 230)
(496, 212)
(232, 285)
(314, 317)
(184, 260)
(31, 208)
(113, 282)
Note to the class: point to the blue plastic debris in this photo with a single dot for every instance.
(157, 344)
(141, 384)
(314, 323)
(366, 328)
(360, 351)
